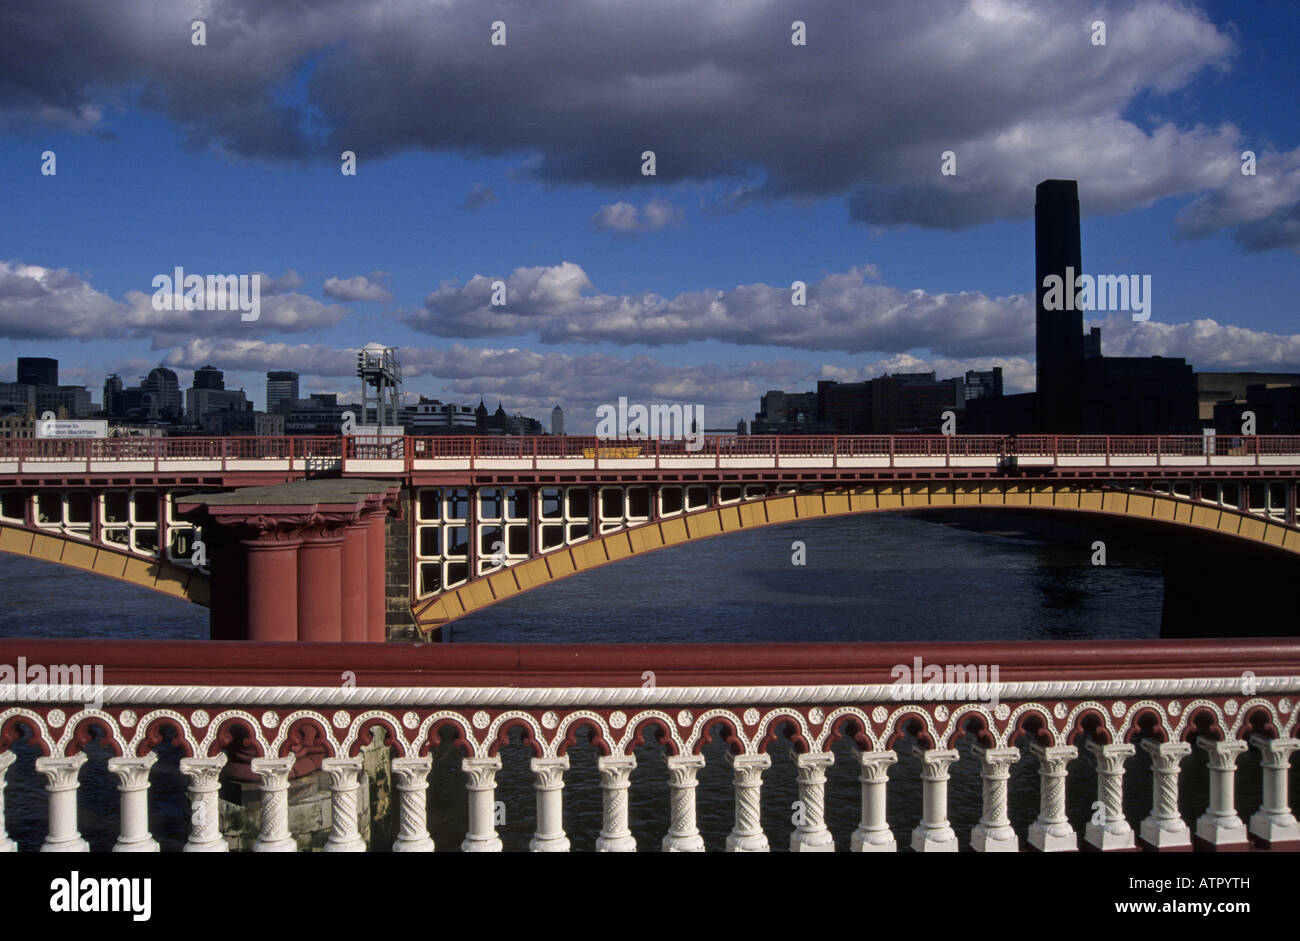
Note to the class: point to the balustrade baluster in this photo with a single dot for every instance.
(873, 834)
(747, 834)
(1219, 825)
(61, 784)
(994, 833)
(1051, 831)
(1274, 822)
(345, 787)
(1163, 828)
(274, 836)
(615, 780)
(133, 784)
(205, 821)
(548, 782)
(934, 834)
(683, 835)
(6, 844)
(481, 784)
(412, 776)
(812, 836)
(1110, 831)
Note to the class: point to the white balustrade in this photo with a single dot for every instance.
(205, 816)
(548, 782)
(747, 834)
(481, 782)
(1107, 829)
(994, 833)
(133, 784)
(62, 783)
(412, 777)
(1051, 831)
(934, 834)
(345, 787)
(683, 835)
(274, 774)
(1164, 828)
(873, 834)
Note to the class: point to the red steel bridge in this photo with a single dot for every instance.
(379, 534)
(338, 539)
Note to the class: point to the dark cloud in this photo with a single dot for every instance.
(581, 89)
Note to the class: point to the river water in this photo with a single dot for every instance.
(863, 578)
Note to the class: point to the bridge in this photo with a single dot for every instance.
(380, 535)
(319, 540)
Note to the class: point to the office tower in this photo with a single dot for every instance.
(38, 371)
(557, 421)
(209, 377)
(113, 403)
(281, 387)
(1059, 333)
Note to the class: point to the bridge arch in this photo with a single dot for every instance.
(1081, 499)
(154, 574)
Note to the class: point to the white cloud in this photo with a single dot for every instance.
(359, 288)
(626, 219)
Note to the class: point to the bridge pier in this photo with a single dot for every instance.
(303, 561)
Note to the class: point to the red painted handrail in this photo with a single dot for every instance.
(237, 663)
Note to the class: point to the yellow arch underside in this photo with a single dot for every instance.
(449, 605)
(157, 576)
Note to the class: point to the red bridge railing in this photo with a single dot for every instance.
(268, 713)
(709, 449)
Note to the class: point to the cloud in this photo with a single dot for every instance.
(478, 197)
(626, 219)
(359, 288)
(38, 303)
(844, 311)
(1016, 90)
(47, 303)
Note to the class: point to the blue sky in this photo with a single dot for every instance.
(776, 163)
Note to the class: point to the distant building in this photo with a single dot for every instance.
(1275, 405)
(281, 390)
(982, 385)
(209, 377)
(557, 421)
(319, 414)
(432, 417)
(113, 399)
(202, 404)
(247, 423)
(38, 371)
(18, 425)
(1227, 388)
(74, 401)
(17, 396)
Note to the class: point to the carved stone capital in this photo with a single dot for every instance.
(935, 762)
(548, 773)
(616, 771)
(1111, 758)
(204, 773)
(1222, 755)
(61, 773)
(875, 765)
(682, 770)
(481, 772)
(133, 773)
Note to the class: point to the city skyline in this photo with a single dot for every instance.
(674, 287)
